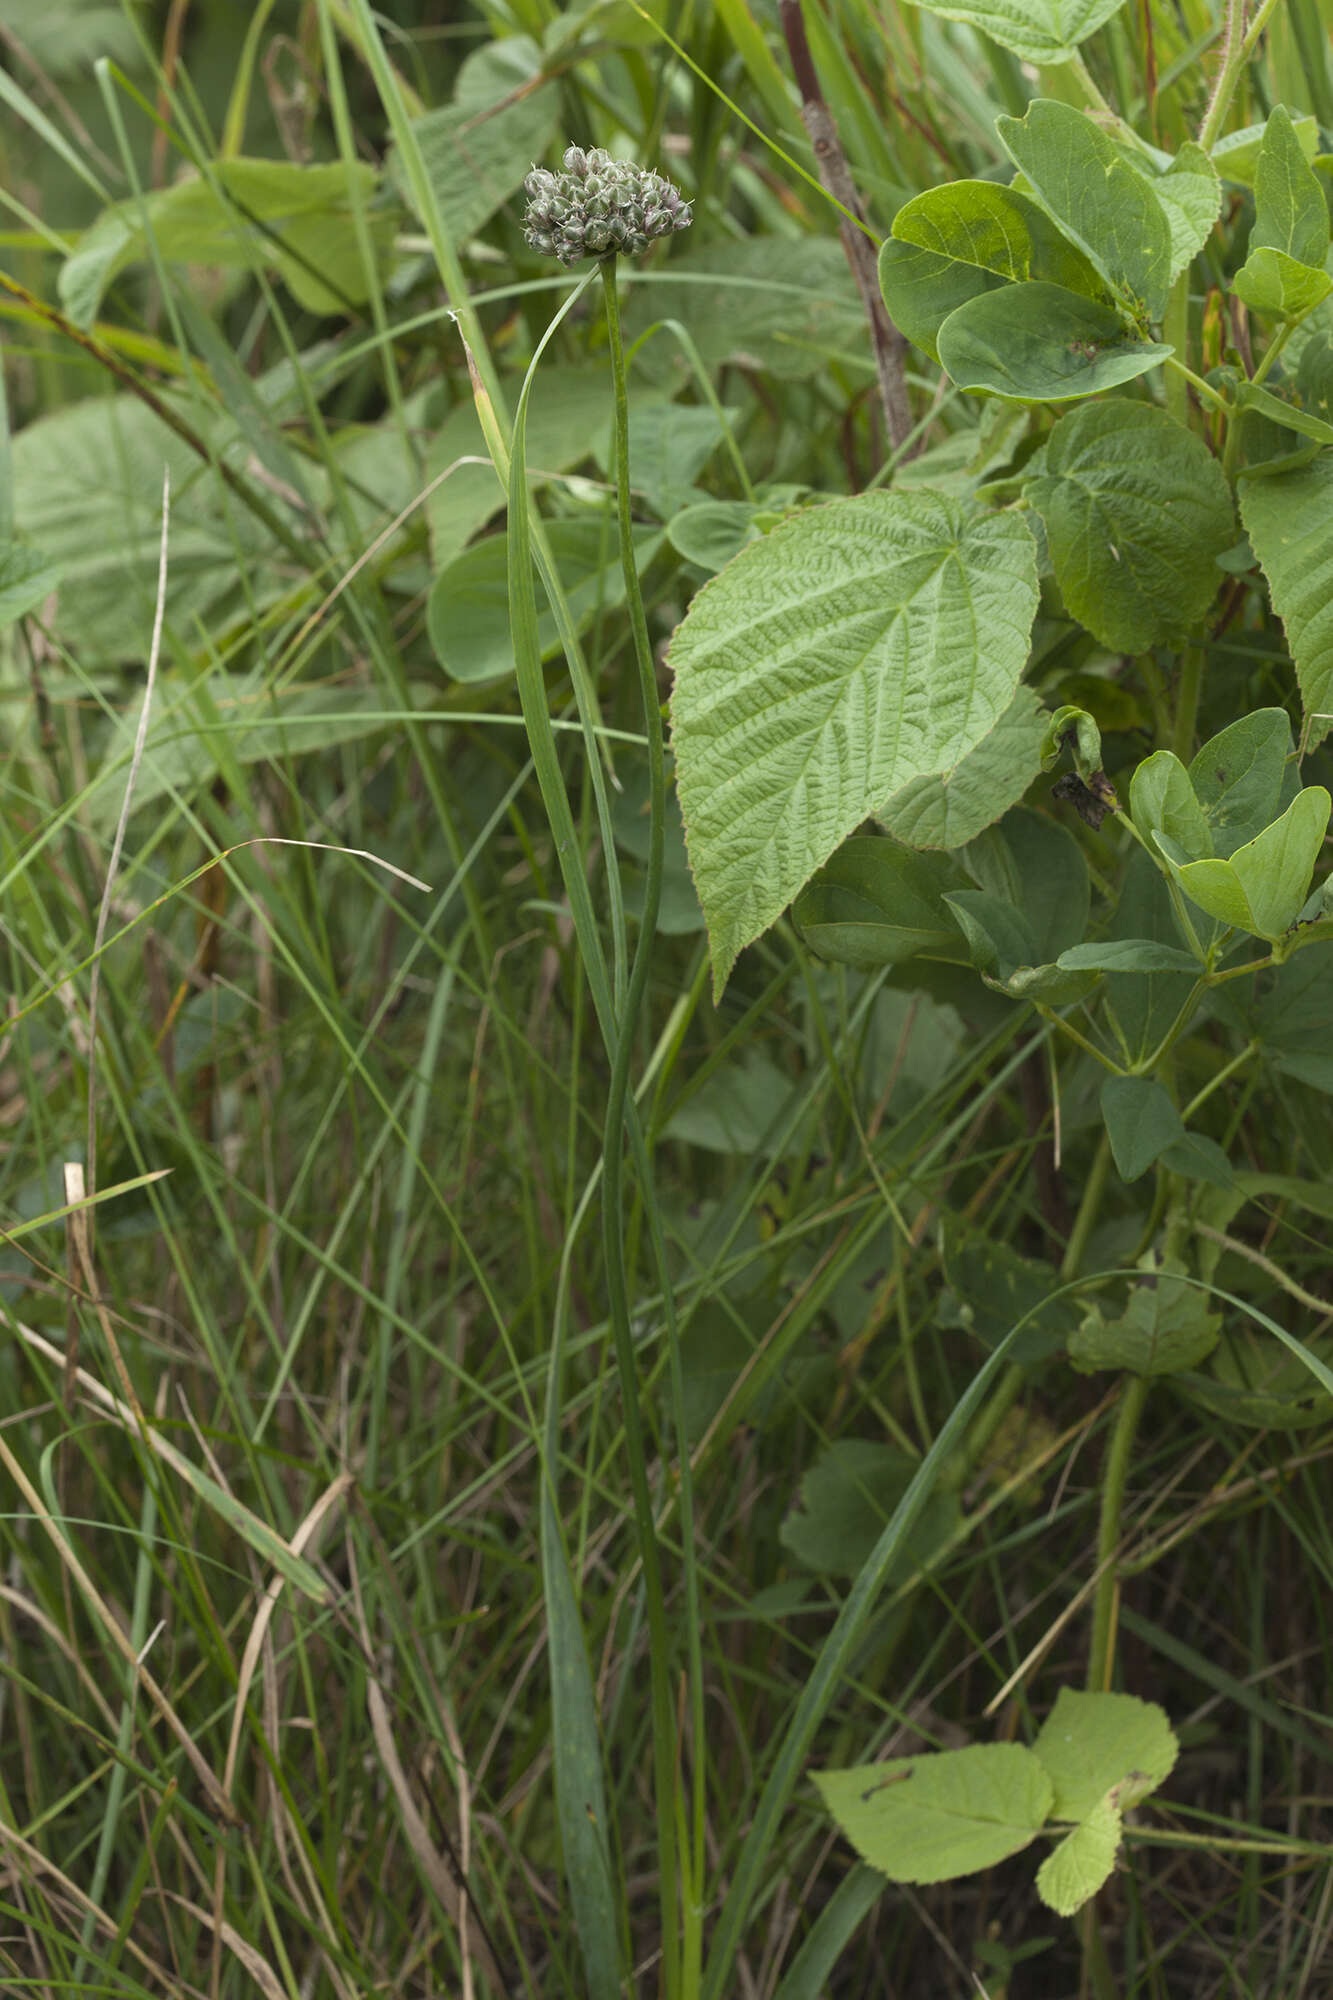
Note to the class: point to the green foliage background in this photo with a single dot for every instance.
(315, 1413)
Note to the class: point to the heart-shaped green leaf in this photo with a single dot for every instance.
(856, 647)
(1137, 511)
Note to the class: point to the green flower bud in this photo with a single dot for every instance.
(599, 206)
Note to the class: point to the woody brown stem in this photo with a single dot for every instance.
(836, 180)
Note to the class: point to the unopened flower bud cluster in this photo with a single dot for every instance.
(598, 206)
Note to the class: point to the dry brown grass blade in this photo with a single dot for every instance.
(254, 1646)
(433, 1865)
(258, 1967)
(217, 1800)
(13, 1842)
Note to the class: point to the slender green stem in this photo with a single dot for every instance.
(1275, 347)
(681, 1919)
(1093, 1190)
(1187, 702)
(1228, 1069)
(1202, 389)
(1077, 1035)
(1115, 1474)
(1173, 1033)
(1096, 101)
(1176, 333)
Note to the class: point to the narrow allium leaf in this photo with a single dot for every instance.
(858, 646)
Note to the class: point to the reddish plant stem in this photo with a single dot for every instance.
(835, 177)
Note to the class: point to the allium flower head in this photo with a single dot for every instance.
(598, 206)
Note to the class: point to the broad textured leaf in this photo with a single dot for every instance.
(1238, 777)
(1106, 206)
(933, 1818)
(1290, 213)
(998, 230)
(1191, 195)
(876, 903)
(846, 1500)
(1289, 520)
(88, 493)
(1141, 1122)
(1271, 282)
(1091, 1744)
(1236, 156)
(1075, 1870)
(1041, 344)
(920, 289)
(1041, 31)
(1265, 882)
(1162, 800)
(26, 580)
(1137, 510)
(957, 805)
(1165, 1328)
(856, 647)
(467, 614)
(307, 211)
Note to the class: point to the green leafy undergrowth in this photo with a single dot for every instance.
(951, 1813)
